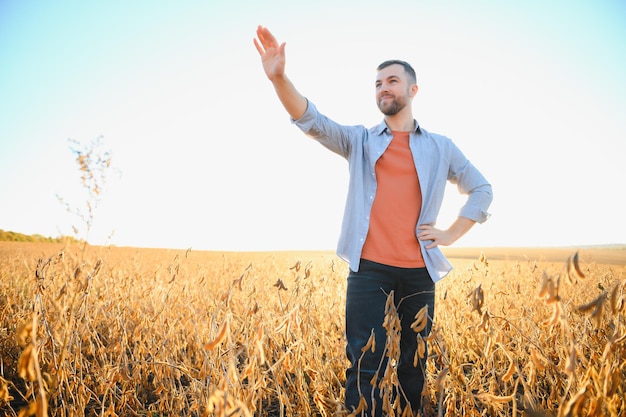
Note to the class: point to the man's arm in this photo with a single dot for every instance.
(273, 58)
(445, 237)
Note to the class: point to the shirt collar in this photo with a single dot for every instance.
(382, 127)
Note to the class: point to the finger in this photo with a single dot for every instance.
(259, 47)
(265, 36)
(425, 235)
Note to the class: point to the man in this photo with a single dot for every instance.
(398, 173)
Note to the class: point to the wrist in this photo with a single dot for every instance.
(278, 79)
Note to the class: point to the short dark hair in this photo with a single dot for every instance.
(407, 68)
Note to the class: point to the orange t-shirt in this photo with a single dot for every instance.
(391, 238)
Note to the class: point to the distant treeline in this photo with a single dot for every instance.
(20, 237)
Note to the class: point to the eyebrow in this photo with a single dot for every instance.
(387, 78)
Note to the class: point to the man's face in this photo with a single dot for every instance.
(393, 91)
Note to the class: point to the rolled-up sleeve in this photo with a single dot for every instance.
(477, 203)
(470, 181)
(305, 122)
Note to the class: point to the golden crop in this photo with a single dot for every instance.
(141, 332)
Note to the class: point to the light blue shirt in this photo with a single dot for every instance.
(437, 160)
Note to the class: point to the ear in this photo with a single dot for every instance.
(413, 90)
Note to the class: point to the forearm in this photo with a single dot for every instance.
(291, 99)
(444, 237)
(459, 228)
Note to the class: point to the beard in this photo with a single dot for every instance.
(392, 108)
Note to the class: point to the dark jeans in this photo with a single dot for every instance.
(365, 310)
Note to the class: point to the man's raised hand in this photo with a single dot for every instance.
(272, 54)
(273, 58)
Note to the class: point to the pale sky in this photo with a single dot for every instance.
(533, 92)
